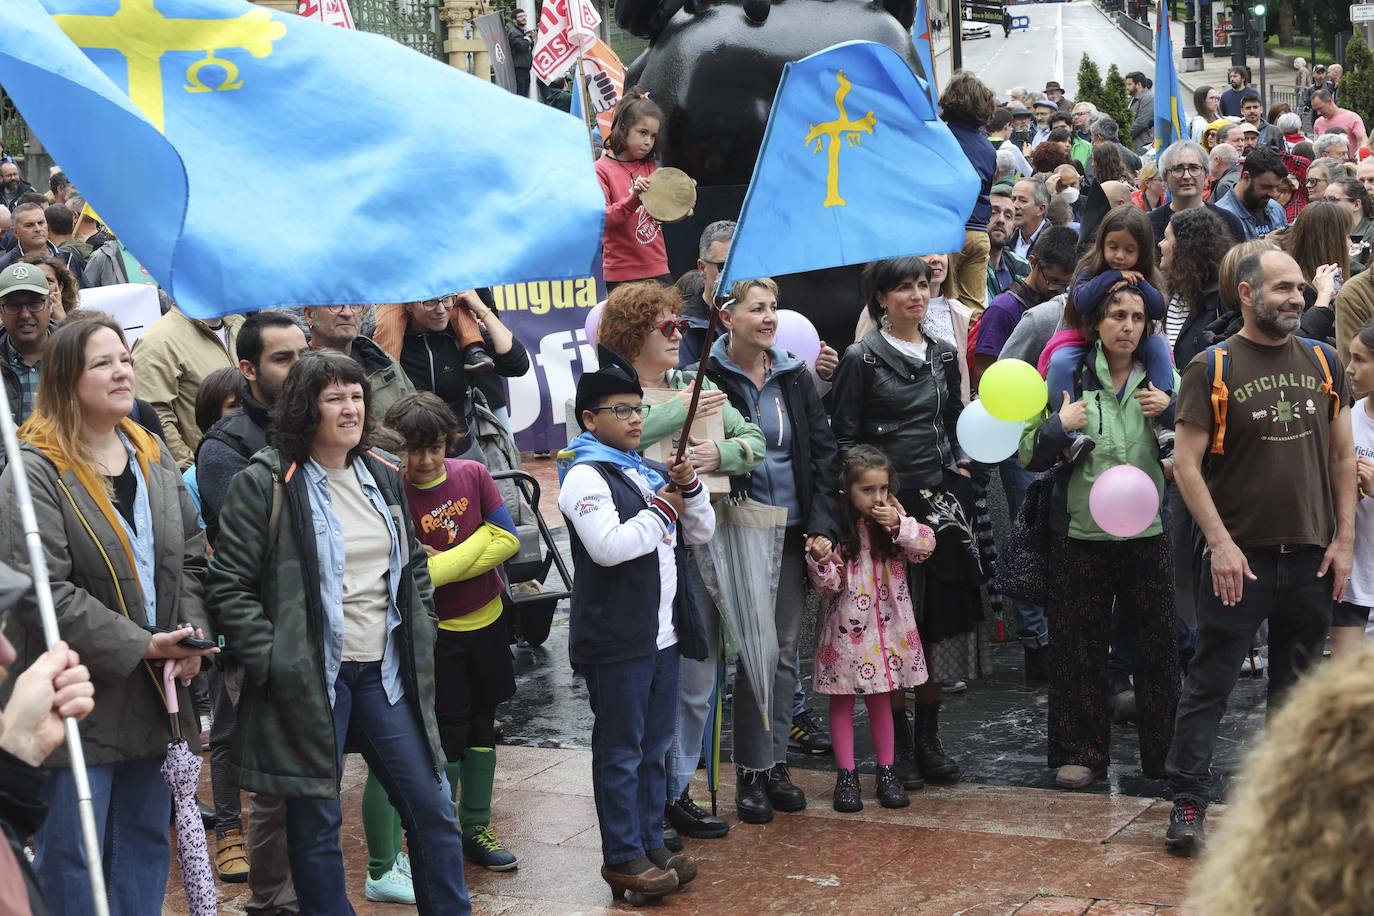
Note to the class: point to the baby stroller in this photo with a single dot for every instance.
(529, 603)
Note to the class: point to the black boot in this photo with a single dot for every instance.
(782, 792)
(890, 791)
(751, 797)
(935, 765)
(847, 800)
(906, 771)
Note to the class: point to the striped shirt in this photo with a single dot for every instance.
(1175, 317)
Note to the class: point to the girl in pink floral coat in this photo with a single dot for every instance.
(866, 640)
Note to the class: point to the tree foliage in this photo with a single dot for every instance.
(1089, 82)
(1116, 101)
(1357, 86)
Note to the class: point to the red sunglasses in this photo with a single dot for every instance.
(668, 327)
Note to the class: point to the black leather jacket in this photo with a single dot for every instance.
(883, 399)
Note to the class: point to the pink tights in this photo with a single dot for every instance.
(879, 722)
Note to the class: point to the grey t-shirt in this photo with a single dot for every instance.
(1033, 331)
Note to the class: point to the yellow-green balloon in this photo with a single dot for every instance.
(1012, 390)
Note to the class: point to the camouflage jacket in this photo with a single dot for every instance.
(264, 594)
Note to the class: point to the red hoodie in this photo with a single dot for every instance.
(632, 240)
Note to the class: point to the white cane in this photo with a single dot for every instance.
(39, 571)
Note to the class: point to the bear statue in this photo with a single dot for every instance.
(713, 66)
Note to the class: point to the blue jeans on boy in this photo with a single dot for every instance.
(132, 807)
(633, 703)
(1159, 371)
(1031, 627)
(397, 752)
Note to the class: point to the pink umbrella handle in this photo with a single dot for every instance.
(169, 685)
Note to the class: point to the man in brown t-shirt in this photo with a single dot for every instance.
(1277, 509)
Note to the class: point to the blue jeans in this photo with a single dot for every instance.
(132, 807)
(1031, 627)
(397, 752)
(633, 703)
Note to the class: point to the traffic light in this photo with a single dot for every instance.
(1257, 10)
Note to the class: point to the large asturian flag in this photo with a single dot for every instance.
(252, 159)
(1169, 119)
(854, 167)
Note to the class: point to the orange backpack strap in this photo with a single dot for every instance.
(1221, 397)
(1328, 386)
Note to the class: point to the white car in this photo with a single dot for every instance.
(976, 30)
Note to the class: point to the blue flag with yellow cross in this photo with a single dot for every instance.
(855, 166)
(251, 158)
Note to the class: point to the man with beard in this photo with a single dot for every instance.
(12, 187)
(27, 320)
(1252, 199)
(1231, 98)
(1275, 502)
(1004, 266)
(31, 232)
(269, 344)
(1184, 165)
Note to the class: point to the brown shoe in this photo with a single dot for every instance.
(1075, 778)
(231, 857)
(649, 884)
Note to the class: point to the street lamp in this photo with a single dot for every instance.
(1258, 11)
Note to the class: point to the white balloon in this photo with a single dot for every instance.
(984, 437)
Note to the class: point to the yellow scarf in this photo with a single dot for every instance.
(39, 431)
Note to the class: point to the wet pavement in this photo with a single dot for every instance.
(1002, 841)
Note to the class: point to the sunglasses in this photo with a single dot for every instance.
(679, 325)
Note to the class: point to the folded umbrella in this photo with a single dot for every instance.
(181, 769)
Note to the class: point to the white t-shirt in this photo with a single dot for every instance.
(1361, 590)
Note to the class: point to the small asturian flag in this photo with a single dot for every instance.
(330, 12)
(566, 27)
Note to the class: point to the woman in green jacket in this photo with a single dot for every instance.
(1090, 568)
(642, 322)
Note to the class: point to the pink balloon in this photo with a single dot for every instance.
(798, 335)
(1124, 501)
(593, 321)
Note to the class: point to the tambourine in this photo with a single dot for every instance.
(671, 195)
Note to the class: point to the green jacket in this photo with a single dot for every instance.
(1124, 435)
(1081, 151)
(741, 450)
(264, 595)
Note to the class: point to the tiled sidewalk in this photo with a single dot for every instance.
(960, 850)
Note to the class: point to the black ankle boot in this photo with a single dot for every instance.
(782, 792)
(935, 765)
(890, 791)
(751, 797)
(906, 771)
(847, 800)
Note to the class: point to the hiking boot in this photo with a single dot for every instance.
(1187, 824)
(690, 819)
(807, 735)
(231, 857)
(935, 765)
(785, 795)
(1037, 664)
(392, 887)
(672, 840)
(1079, 448)
(751, 797)
(486, 850)
(847, 800)
(890, 791)
(475, 359)
(902, 765)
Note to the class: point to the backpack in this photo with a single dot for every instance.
(1218, 364)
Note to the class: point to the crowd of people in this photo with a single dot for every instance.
(297, 515)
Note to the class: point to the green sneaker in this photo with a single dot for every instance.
(486, 850)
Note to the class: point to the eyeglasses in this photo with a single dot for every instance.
(340, 308)
(12, 309)
(623, 411)
(1186, 169)
(718, 265)
(1313, 182)
(436, 305)
(679, 325)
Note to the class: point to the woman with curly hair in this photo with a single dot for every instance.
(1317, 241)
(1293, 839)
(966, 105)
(1048, 156)
(642, 322)
(62, 285)
(321, 587)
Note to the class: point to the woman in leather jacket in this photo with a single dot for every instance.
(898, 389)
